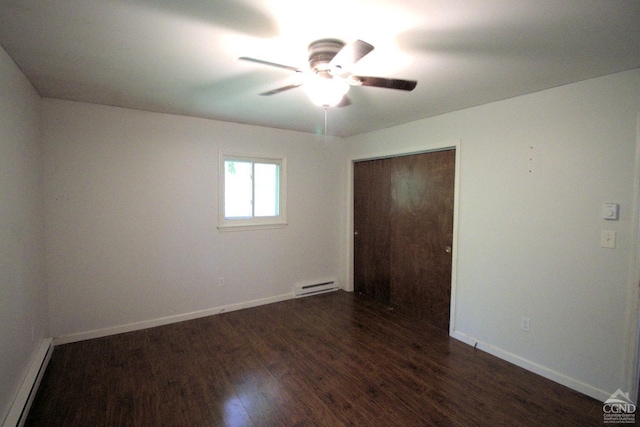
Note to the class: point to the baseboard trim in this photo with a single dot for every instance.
(130, 327)
(22, 403)
(543, 371)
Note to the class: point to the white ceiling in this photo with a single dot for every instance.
(180, 56)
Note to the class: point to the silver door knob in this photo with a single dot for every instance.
(448, 249)
(355, 233)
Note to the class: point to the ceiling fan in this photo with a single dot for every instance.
(327, 78)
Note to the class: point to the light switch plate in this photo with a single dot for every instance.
(610, 211)
(608, 239)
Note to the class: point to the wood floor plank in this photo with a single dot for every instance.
(333, 359)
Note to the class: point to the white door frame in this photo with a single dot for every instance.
(456, 145)
(633, 365)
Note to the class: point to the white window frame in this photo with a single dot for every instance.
(254, 223)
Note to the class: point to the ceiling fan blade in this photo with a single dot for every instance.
(272, 64)
(349, 55)
(384, 82)
(280, 89)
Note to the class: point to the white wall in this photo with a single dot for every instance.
(529, 230)
(23, 304)
(131, 202)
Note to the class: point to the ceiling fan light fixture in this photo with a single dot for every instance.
(326, 91)
(327, 78)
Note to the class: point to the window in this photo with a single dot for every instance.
(252, 192)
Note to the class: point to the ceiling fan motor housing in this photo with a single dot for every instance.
(321, 52)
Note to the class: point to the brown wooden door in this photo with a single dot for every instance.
(371, 206)
(403, 217)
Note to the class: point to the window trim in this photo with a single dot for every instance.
(255, 223)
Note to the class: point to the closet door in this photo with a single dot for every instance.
(403, 226)
(371, 211)
(421, 235)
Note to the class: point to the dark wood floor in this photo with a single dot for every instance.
(333, 359)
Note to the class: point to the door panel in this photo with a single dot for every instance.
(403, 220)
(422, 235)
(371, 207)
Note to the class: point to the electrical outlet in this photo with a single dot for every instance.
(221, 281)
(525, 324)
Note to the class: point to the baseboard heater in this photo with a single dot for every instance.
(308, 289)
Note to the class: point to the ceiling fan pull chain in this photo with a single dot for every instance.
(325, 121)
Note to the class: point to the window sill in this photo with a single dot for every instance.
(248, 227)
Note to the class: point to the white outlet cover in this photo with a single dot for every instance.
(608, 239)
